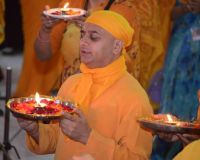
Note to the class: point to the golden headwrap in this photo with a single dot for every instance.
(114, 23)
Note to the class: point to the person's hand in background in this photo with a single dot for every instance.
(31, 127)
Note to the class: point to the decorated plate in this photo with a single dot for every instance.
(178, 126)
(62, 13)
(47, 109)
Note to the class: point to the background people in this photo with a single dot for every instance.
(50, 71)
(181, 78)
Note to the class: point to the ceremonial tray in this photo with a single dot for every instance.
(49, 108)
(169, 127)
(62, 13)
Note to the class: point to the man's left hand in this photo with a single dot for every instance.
(187, 138)
(75, 126)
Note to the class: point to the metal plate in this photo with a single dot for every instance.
(158, 126)
(40, 117)
(65, 17)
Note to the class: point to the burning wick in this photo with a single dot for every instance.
(37, 99)
(66, 5)
(170, 120)
(65, 8)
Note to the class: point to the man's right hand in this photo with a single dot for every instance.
(31, 127)
(48, 22)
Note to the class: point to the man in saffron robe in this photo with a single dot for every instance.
(110, 100)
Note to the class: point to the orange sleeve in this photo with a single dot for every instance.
(47, 141)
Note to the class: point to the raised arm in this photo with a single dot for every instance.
(42, 43)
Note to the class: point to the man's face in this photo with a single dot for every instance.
(96, 46)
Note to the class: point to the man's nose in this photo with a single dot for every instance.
(84, 41)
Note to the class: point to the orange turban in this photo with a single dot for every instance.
(114, 23)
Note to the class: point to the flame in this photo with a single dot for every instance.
(169, 118)
(37, 98)
(66, 5)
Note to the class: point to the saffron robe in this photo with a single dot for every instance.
(112, 115)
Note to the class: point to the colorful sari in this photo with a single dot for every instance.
(181, 77)
(154, 88)
(150, 42)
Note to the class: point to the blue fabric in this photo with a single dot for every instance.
(181, 79)
(154, 90)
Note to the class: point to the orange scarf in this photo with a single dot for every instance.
(94, 82)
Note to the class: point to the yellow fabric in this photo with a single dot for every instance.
(122, 30)
(70, 50)
(165, 9)
(150, 42)
(190, 152)
(93, 90)
(116, 101)
(128, 9)
(2, 8)
(150, 39)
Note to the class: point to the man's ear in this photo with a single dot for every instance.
(117, 47)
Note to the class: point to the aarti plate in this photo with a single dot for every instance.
(38, 113)
(161, 126)
(61, 13)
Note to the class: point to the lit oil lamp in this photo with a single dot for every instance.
(170, 120)
(64, 9)
(38, 103)
(39, 107)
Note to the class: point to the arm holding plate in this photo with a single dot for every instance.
(43, 44)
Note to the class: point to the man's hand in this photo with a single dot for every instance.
(187, 138)
(172, 137)
(31, 127)
(168, 137)
(75, 126)
(48, 22)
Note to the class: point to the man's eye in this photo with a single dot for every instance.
(94, 37)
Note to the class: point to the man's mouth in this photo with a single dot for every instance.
(85, 51)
